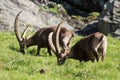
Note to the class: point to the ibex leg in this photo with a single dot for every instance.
(95, 53)
(49, 51)
(38, 50)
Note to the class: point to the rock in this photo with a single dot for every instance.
(42, 71)
(39, 2)
(30, 15)
(109, 21)
(89, 28)
(9, 9)
(76, 23)
(85, 5)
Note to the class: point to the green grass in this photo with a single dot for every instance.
(46, 8)
(16, 66)
(93, 15)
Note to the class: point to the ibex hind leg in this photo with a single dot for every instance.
(103, 54)
(103, 50)
(95, 53)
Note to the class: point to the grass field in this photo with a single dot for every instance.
(16, 66)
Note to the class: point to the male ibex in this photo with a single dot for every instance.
(87, 48)
(40, 38)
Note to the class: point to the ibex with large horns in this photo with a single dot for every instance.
(87, 48)
(40, 38)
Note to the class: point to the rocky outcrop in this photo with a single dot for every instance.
(82, 7)
(88, 5)
(109, 21)
(30, 15)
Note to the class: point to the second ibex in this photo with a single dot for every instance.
(40, 38)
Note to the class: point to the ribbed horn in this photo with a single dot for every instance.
(51, 42)
(16, 27)
(57, 37)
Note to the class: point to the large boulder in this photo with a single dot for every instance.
(30, 15)
(109, 21)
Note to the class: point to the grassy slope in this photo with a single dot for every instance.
(15, 66)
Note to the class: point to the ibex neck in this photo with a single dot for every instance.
(30, 42)
(75, 52)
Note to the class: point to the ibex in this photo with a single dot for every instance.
(88, 48)
(40, 38)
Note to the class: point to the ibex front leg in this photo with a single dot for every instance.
(49, 51)
(38, 50)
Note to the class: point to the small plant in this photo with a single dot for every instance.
(76, 17)
(46, 8)
(93, 15)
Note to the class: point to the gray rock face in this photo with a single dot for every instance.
(30, 15)
(9, 9)
(109, 21)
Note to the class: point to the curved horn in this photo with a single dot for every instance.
(55, 48)
(16, 27)
(51, 42)
(24, 32)
(57, 37)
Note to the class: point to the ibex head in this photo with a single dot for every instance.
(21, 39)
(61, 54)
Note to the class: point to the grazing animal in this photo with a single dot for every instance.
(88, 48)
(40, 38)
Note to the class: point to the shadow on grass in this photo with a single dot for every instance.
(32, 51)
(14, 47)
